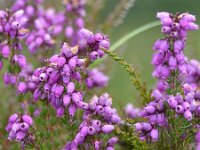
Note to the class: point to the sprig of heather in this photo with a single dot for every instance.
(99, 119)
(19, 128)
(173, 102)
(13, 30)
(169, 60)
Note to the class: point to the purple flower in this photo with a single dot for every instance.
(27, 119)
(188, 115)
(22, 87)
(172, 102)
(107, 128)
(5, 51)
(13, 118)
(91, 130)
(154, 134)
(18, 127)
(179, 109)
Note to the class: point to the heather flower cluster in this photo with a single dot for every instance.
(93, 43)
(173, 94)
(56, 83)
(188, 105)
(18, 127)
(46, 24)
(169, 58)
(76, 9)
(154, 112)
(98, 118)
(131, 111)
(13, 30)
(96, 78)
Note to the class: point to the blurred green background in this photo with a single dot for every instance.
(138, 50)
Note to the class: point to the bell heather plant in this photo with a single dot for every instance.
(55, 97)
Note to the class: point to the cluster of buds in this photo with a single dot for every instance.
(12, 24)
(169, 57)
(47, 26)
(99, 118)
(93, 43)
(23, 79)
(131, 111)
(146, 131)
(188, 106)
(18, 128)
(57, 81)
(75, 9)
(12, 28)
(96, 78)
(154, 112)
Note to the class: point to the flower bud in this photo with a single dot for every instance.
(66, 100)
(146, 126)
(24, 126)
(179, 109)
(5, 51)
(188, 115)
(22, 87)
(70, 87)
(60, 112)
(27, 119)
(154, 134)
(172, 102)
(72, 110)
(138, 126)
(13, 118)
(150, 109)
(20, 135)
(91, 130)
(107, 128)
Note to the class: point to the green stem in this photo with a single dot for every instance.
(135, 78)
(127, 37)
